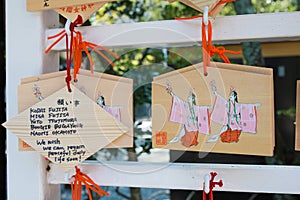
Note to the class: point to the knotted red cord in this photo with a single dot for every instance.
(81, 178)
(77, 45)
(60, 36)
(208, 49)
(80, 45)
(212, 185)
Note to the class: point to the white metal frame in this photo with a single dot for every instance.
(26, 40)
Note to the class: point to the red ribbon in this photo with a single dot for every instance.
(208, 49)
(83, 179)
(77, 45)
(61, 35)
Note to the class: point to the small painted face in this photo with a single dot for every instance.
(36, 89)
(192, 99)
(100, 101)
(232, 97)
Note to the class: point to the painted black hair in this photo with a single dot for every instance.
(194, 98)
(235, 96)
(103, 100)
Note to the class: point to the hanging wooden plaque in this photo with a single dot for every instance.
(66, 127)
(214, 6)
(229, 111)
(116, 92)
(38, 5)
(84, 10)
(69, 9)
(297, 138)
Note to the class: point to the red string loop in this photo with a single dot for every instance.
(68, 62)
(83, 179)
(208, 49)
(75, 48)
(80, 46)
(77, 21)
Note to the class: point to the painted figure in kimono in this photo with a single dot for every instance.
(115, 111)
(234, 116)
(194, 119)
(37, 92)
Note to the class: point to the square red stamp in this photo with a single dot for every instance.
(161, 138)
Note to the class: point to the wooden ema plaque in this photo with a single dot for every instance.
(116, 92)
(68, 9)
(229, 111)
(38, 5)
(297, 138)
(213, 7)
(66, 127)
(84, 10)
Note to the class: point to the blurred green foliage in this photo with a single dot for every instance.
(291, 112)
(127, 11)
(140, 11)
(124, 11)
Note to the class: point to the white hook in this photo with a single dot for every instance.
(67, 27)
(207, 178)
(205, 15)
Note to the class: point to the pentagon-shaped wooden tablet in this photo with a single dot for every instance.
(84, 10)
(68, 9)
(38, 5)
(214, 6)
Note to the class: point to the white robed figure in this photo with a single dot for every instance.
(194, 118)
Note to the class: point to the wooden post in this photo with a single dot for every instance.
(26, 175)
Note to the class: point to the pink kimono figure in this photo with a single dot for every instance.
(115, 111)
(234, 117)
(195, 119)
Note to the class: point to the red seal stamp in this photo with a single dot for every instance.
(161, 138)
